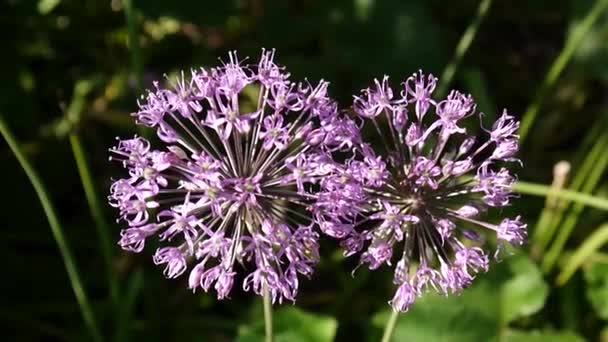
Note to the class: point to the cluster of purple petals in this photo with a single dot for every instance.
(418, 199)
(243, 147)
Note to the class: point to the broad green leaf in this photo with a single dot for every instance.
(46, 6)
(541, 336)
(472, 316)
(597, 288)
(291, 324)
(525, 293)
(512, 289)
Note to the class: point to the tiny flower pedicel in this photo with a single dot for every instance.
(231, 184)
(411, 200)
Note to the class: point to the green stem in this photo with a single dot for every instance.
(103, 229)
(558, 66)
(268, 315)
(462, 47)
(64, 249)
(390, 326)
(545, 190)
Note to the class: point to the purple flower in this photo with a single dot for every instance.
(233, 183)
(411, 200)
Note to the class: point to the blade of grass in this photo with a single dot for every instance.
(558, 66)
(73, 114)
(592, 244)
(573, 215)
(136, 62)
(553, 205)
(56, 229)
(102, 227)
(462, 47)
(543, 238)
(128, 306)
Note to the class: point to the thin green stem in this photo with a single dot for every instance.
(390, 326)
(102, 227)
(462, 47)
(268, 315)
(558, 66)
(64, 249)
(545, 190)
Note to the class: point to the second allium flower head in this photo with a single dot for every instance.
(254, 164)
(410, 200)
(230, 186)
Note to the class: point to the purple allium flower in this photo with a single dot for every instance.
(408, 201)
(243, 149)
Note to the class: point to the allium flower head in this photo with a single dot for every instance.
(241, 147)
(418, 200)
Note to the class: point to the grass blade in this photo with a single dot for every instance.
(64, 249)
(593, 243)
(558, 66)
(103, 229)
(463, 45)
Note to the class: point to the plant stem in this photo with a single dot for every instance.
(268, 315)
(462, 47)
(558, 66)
(56, 229)
(103, 230)
(390, 326)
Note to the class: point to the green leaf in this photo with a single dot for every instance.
(512, 289)
(597, 288)
(472, 316)
(525, 293)
(292, 325)
(553, 336)
(46, 6)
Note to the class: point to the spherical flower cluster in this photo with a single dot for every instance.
(243, 148)
(411, 200)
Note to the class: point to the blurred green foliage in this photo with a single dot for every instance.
(68, 67)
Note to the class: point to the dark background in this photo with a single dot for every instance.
(50, 46)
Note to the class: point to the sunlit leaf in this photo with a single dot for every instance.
(472, 316)
(544, 336)
(46, 6)
(291, 324)
(525, 293)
